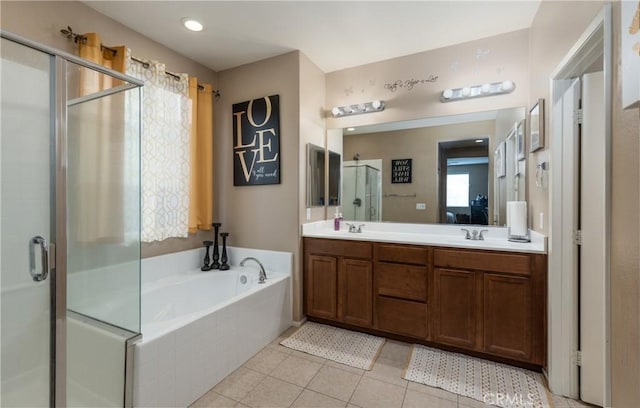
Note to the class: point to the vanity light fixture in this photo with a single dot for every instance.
(477, 91)
(356, 109)
(191, 24)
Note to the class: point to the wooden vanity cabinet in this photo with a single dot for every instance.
(491, 303)
(338, 281)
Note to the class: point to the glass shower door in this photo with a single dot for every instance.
(26, 199)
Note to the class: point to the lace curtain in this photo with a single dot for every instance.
(165, 136)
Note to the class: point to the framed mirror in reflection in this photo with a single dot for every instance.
(452, 172)
(323, 177)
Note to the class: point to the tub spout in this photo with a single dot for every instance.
(263, 274)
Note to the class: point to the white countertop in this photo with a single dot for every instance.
(446, 235)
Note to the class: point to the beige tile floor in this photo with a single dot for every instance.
(281, 377)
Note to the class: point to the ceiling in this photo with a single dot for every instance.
(334, 34)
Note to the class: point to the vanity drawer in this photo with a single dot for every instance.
(406, 254)
(336, 247)
(401, 317)
(518, 264)
(401, 281)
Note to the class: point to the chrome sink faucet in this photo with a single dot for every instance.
(353, 228)
(475, 235)
(263, 275)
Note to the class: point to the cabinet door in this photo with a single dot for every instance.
(456, 311)
(355, 292)
(322, 283)
(508, 316)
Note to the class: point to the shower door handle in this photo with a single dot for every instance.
(44, 257)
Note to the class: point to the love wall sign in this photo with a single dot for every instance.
(256, 142)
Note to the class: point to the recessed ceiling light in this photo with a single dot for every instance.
(191, 24)
(350, 129)
(479, 140)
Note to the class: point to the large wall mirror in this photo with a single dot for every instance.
(434, 170)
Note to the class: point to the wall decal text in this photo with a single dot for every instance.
(409, 84)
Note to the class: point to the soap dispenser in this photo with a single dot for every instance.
(336, 221)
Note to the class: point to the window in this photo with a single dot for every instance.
(458, 190)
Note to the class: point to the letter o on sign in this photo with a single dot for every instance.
(266, 116)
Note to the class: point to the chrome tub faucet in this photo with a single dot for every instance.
(263, 275)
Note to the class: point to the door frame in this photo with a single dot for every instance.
(563, 302)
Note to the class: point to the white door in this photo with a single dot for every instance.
(565, 108)
(593, 248)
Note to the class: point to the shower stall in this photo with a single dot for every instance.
(362, 192)
(70, 237)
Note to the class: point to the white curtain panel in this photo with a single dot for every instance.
(166, 124)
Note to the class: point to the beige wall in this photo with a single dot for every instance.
(42, 21)
(625, 242)
(312, 130)
(490, 59)
(551, 38)
(263, 217)
(312, 126)
(421, 145)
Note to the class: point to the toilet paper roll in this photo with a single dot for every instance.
(517, 218)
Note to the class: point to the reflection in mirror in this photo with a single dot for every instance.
(438, 147)
(334, 178)
(315, 175)
(511, 186)
(362, 190)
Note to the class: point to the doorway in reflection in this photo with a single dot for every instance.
(464, 181)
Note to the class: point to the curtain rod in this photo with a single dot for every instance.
(79, 38)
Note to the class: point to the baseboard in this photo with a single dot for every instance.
(300, 322)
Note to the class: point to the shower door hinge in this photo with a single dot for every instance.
(579, 117)
(578, 237)
(577, 358)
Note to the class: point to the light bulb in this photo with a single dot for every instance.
(508, 86)
(362, 107)
(447, 94)
(466, 91)
(486, 88)
(191, 24)
(336, 111)
(376, 104)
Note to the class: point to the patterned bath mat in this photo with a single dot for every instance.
(487, 381)
(342, 346)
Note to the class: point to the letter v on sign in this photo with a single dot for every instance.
(243, 163)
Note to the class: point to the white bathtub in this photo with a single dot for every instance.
(198, 327)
